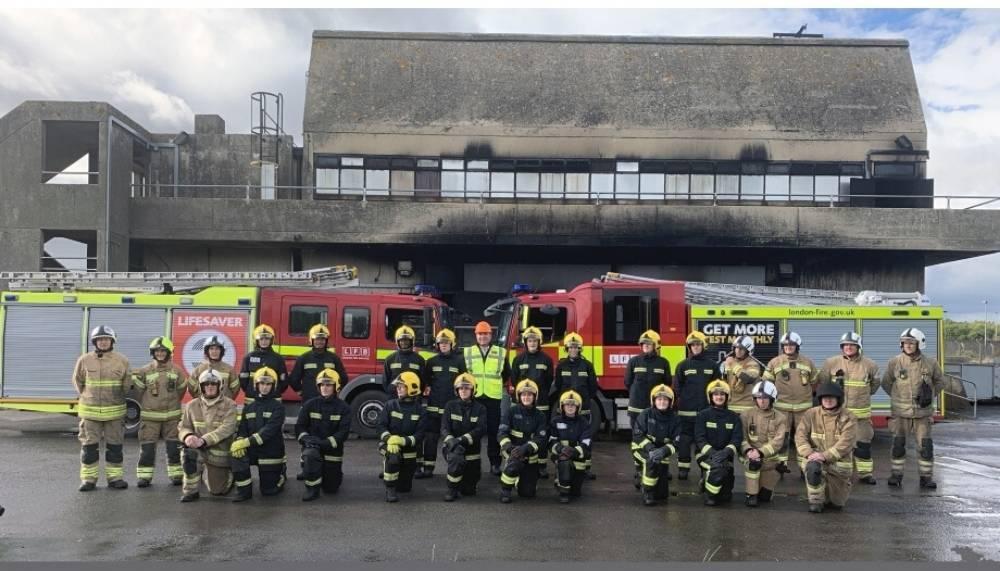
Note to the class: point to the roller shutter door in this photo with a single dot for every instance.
(41, 346)
(135, 328)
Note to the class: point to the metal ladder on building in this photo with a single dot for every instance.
(707, 293)
(170, 282)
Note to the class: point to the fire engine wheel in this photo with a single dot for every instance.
(367, 406)
(132, 411)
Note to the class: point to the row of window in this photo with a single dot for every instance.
(356, 321)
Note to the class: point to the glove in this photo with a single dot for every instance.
(525, 450)
(746, 378)
(392, 448)
(240, 444)
(567, 453)
(310, 441)
(458, 450)
(656, 455)
(397, 440)
(516, 453)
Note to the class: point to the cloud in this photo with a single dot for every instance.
(125, 87)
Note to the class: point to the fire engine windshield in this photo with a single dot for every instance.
(507, 308)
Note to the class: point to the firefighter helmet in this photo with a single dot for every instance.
(745, 342)
(161, 343)
(209, 376)
(573, 339)
(465, 380)
(404, 332)
(410, 380)
(319, 331)
(661, 390)
(915, 335)
(570, 397)
(791, 338)
(765, 389)
(850, 338)
(263, 330)
(696, 337)
(446, 336)
(103, 332)
(532, 333)
(718, 386)
(265, 375)
(214, 341)
(483, 327)
(829, 389)
(650, 336)
(526, 386)
(329, 377)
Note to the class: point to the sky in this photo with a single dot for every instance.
(162, 67)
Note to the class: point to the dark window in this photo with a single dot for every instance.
(894, 169)
(357, 323)
(754, 168)
(404, 163)
(853, 169)
(777, 168)
(702, 168)
(677, 167)
(627, 313)
(553, 326)
(396, 318)
(70, 154)
(801, 169)
(827, 169)
(428, 180)
(324, 162)
(602, 165)
(502, 165)
(727, 167)
(302, 317)
(651, 166)
(376, 163)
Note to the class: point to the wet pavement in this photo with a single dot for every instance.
(47, 519)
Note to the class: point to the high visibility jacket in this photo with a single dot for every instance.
(302, 379)
(440, 372)
(258, 359)
(642, 373)
(523, 425)
(537, 367)
(833, 433)
(466, 421)
(794, 377)
(859, 378)
(262, 421)
(215, 422)
(656, 429)
(741, 375)
(691, 378)
(903, 379)
(491, 371)
(161, 389)
(102, 380)
(328, 419)
(577, 375)
(230, 381)
(765, 430)
(400, 361)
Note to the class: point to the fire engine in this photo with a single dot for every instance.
(46, 316)
(612, 311)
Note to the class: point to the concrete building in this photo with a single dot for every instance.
(476, 161)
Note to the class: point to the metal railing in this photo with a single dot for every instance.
(257, 192)
(974, 400)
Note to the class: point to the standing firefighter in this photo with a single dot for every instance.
(401, 426)
(825, 440)
(911, 379)
(534, 364)
(215, 350)
(463, 424)
(794, 377)
(858, 376)
(488, 364)
(263, 356)
(404, 359)
(440, 374)
(259, 439)
(691, 380)
(643, 372)
(523, 436)
(569, 446)
(101, 378)
(718, 434)
(161, 386)
(741, 371)
(654, 434)
(207, 429)
(765, 432)
(575, 373)
(322, 428)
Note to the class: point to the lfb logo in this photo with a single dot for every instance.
(618, 359)
(194, 348)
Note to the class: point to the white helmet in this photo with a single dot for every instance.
(765, 389)
(745, 342)
(103, 332)
(850, 338)
(913, 334)
(209, 376)
(791, 337)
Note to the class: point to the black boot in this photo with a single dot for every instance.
(312, 493)
(682, 474)
(815, 508)
(118, 485)
(87, 486)
(927, 483)
(300, 476)
(751, 500)
(636, 480)
(543, 473)
(590, 474)
(896, 481)
(391, 496)
(647, 498)
(710, 501)
(451, 495)
(563, 497)
(242, 495)
(176, 481)
(142, 483)
(869, 479)
(782, 468)
(190, 497)
(505, 495)
(764, 495)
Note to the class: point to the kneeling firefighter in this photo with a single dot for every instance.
(569, 446)
(718, 433)
(463, 424)
(764, 434)
(401, 425)
(655, 434)
(207, 429)
(259, 439)
(322, 428)
(825, 442)
(523, 434)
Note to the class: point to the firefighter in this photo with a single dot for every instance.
(575, 373)
(101, 379)
(741, 371)
(259, 439)
(911, 379)
(262, 356)
(643, 372)
(655, 433)
(794, 376)
(206, 429)
(401, 426)
(440, 373)
(322, 428)
(463, 424)
(523, 436)
(534, 364)
(214, 350)
(825, 440)
(858, 376)
(691, 378)
(161, 385)
(307, 367)
(718, 434)
(569, 445)
(765, 432)
(405, 358)
(489, 365)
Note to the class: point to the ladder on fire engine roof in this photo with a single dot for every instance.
(168, 282)
(704, 293)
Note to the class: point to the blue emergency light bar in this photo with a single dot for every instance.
(521, 288)
(426, 289)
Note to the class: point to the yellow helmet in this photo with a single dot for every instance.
(650, 336)
(573, 338)
(411, 381)
(570, 397)
(661, 390)
(329, 377)
(696, 337)
(532, 333)
(446, 336)
(526, 386)
(718, 385)
(262, 330)
(465, 380)
(404, 332)
(265, 375)
(319, 331)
